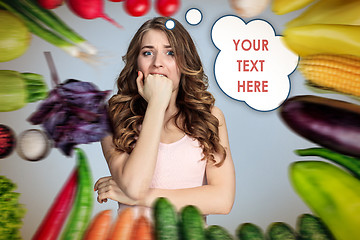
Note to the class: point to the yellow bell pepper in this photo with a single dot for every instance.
(323, 38)
(344, 12)
(285, 6)
(331, 193)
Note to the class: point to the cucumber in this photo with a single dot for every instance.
(165, 220)
(280, 231)
(311, 227)
(216, 232)
(192, 223)
(330, 123)
(249, 231)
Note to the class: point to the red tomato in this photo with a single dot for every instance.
(137, 8)
(116, 0)
(167, 8)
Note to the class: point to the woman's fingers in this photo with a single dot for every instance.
(100, 181)
(140, 83)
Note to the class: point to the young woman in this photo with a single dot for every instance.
(169, 140)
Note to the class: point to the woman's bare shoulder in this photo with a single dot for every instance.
(218, 114)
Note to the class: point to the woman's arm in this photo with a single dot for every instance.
(215, 198)
(133, 172)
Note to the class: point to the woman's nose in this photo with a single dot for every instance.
(158, 60)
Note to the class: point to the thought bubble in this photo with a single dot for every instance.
(253, 65)
(193, 16)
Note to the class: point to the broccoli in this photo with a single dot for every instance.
(11, 212)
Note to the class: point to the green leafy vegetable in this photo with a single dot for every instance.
(11, 211)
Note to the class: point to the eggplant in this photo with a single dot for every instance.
(330, 123)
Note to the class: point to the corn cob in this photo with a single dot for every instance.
(335, 72)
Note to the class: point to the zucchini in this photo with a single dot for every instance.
(331, 123)
(165, 220)
(17, 89)
(280, 231)
(249, 231)
(331, 193)
(192, 223)
(216, 232)
(311, 227)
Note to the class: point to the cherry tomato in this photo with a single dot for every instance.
(137, 8)
(167, 8)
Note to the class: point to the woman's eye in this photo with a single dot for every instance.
(147, 53)
(171, 53)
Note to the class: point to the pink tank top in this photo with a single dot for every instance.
(178, 165)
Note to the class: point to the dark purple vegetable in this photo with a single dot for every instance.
(331, 123)
(7, 141)
(74, 113)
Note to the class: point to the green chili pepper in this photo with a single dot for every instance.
(83, 205)
(350, 163)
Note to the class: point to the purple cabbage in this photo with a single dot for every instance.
(73, 113)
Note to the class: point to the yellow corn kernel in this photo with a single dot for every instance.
(340, 73)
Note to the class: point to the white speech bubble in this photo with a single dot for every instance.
(253, 64)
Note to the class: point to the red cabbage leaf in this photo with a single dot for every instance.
(73, 113)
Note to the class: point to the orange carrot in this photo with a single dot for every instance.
(99, 226)
(142, 229)
(121, 229)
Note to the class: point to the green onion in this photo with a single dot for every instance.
(55, 23)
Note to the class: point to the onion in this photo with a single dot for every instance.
(33, 145)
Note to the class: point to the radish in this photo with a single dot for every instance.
(50, 4)
(90, 9)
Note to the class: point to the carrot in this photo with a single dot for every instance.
(123, 225)
(142, 229)
(99, 226)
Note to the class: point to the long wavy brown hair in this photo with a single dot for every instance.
(127, 108)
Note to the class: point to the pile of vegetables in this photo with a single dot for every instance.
(48, 26)
(188, 224)
(11, 211)
(17, 89)
(73, 205)
(326, 37)
(332, 192)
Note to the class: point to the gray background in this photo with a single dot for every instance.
(262, 146)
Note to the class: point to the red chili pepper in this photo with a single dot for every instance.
(54, 220)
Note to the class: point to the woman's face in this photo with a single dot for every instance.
(157, 57)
